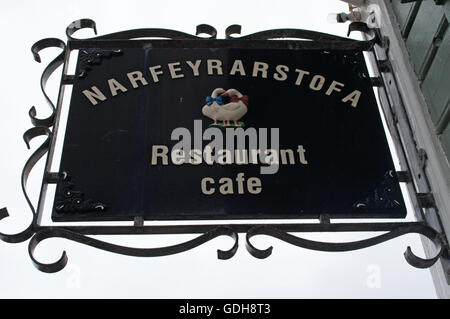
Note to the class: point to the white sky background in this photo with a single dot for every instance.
(290, 272)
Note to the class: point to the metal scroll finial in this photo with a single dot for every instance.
(78, 25)
(34, 158)
(46, 43)
(52, 66)
(206, 29)
(232, 29)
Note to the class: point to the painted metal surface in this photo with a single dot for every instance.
(345, 171)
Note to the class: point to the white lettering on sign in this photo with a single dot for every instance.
(257, 152)
(214, 67)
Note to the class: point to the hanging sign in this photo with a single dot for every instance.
(184, 132)
(164, 125)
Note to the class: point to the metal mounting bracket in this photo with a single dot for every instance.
(426, 200)
(412, 158)
(404, 177)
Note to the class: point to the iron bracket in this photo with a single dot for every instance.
(426, 200)
(53, 178)
(384, 66)
(411, 158)
(404, 176)
(69, 79)
(376, 81)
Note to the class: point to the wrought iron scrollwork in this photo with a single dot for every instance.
(400, 230)
(41, 128)
(15, 238)
(232, 29)
(78, 25)
(294, 34)
(129, 251)
(34, 158)
(300, 35)
(81, 234)
(139, 33)
(52, 66)
(206, 29)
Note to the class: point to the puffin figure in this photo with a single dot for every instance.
(234, 110)
(213, 104)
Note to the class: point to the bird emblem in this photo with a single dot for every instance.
(226, 106)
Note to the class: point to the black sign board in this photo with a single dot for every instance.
(325, 151)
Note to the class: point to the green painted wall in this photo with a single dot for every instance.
(424, 25)
(402, 12)
(445, 140)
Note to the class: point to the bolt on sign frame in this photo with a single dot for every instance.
(111, 44)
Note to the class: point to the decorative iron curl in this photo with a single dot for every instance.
(52, 66)
(410, 257)
(52, 232)
(293, 33)
(232, 29)
(3, 213)
(235, 29)
(302, 35)
(34, 158)
(15, 238)
(78, 25)
(206, 29)
(361, 27)
(138, 33)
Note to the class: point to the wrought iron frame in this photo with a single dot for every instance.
(137, 38)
